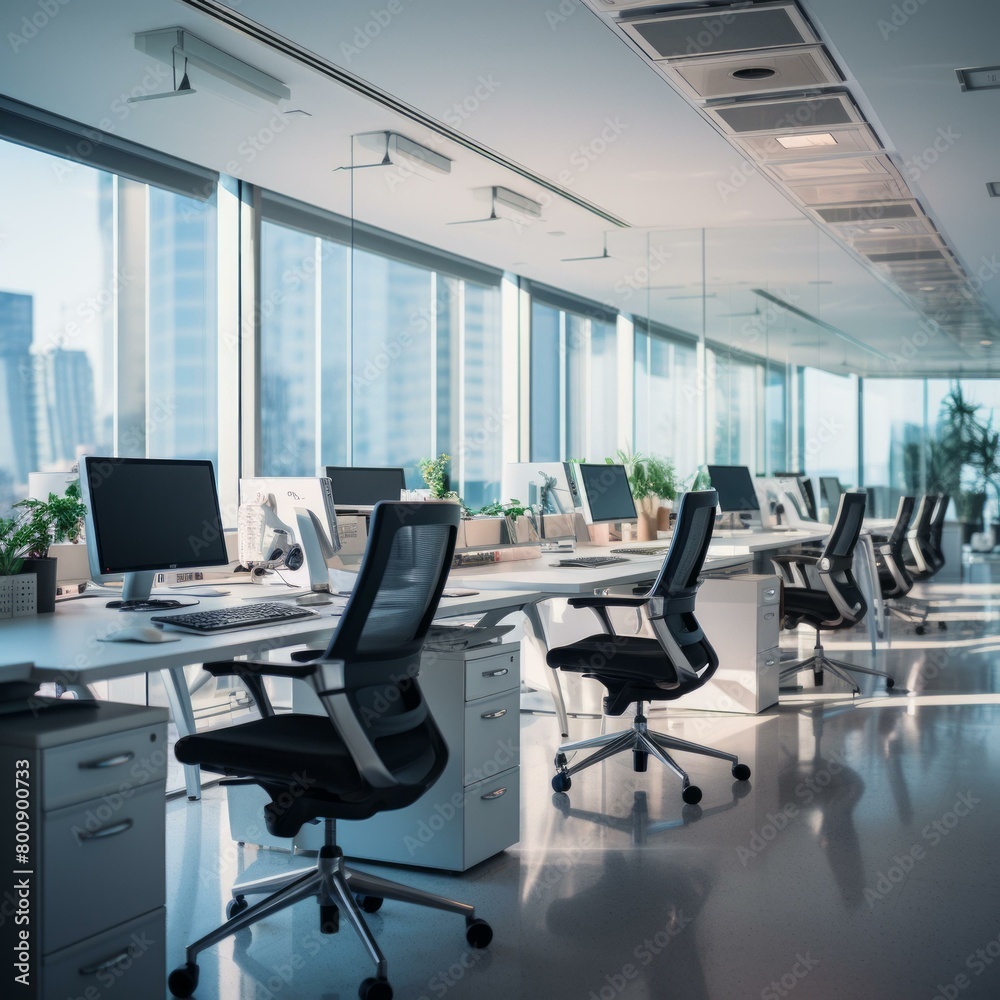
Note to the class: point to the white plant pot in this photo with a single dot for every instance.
(18, 595)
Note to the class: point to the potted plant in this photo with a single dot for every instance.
(954, 460)
(58, 519)
(651, 480)
(515, 518)
(17, 589)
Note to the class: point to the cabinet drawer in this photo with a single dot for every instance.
(486, 675)
(129, 960)
(102, 864)
(492, 816)
(492, 736)
(768, 626)
(106, 765)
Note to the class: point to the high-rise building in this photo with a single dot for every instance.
(18, 447)
(65, 389)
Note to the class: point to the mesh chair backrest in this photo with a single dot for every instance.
(940, 509)
(922, 522)
(692, 534)
(903, 514)
(399, 585)
(846, 529)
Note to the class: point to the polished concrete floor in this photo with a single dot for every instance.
(859, 863)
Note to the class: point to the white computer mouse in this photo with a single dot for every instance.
(139, 633)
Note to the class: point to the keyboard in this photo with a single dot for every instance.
(589, 562)
(654, 551)
(227, 619)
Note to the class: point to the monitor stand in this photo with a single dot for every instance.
(135, 595)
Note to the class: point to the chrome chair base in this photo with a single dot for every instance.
(820, 663)
(643, 742)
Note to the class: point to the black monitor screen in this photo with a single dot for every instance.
(734, 485)
(830, 485)
(607, 493)
(153, 514)
(361, 487)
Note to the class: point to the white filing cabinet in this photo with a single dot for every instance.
(94, 887)
(472, 811)
(741, 618)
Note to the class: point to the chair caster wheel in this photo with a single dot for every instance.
(478, 933)
(640, 760)
(561, 782)
(370, 904)
(560, 759)
(184, 980)
(889, 683)
(691, 795)
(236, 905)
(942, 625)
(375, 989)
(920, 630)
(741, 772)
(329, 920)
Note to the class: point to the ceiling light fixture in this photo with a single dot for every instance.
(167, 44)
(397, 150)
(604, 255)
(807, 141)
(986, 343)
(507, 205)
(180, 90)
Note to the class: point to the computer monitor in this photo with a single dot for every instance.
(535, 482)
(734, 484)
(831, 489)
(605, 495)
(360, 488)
(149, 515)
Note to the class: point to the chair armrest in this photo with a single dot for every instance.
(223, 668)
(799, 560)
(607, 602)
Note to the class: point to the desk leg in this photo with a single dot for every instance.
(555, 685)
(175, 684)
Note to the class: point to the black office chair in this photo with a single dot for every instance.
(836, 602)
(809, 495)
(635, 669)
(895, 581)
(376, 748)
(923, 555)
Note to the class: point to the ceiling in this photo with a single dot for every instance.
(551, 89)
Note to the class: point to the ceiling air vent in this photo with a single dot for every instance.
(787, 114)
(845, 168)
(821, 144)
(905, 255)
(835, 192)
(715, 30)
(841, 214)
(763, 71)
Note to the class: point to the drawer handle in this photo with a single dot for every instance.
(496, 673)
(499, 714)
(108, 831)
(116, 761)
(496, 794)
(769, 593)
(120, 959)
(770, 614)
(769, 663)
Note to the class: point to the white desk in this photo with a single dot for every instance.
(65, 646)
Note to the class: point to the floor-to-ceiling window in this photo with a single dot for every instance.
(668, 394)
(371, 358)
(829, 409)
(108, 317)
(574, 380)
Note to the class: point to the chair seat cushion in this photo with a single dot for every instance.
(813, 606)
(290, 748)
(630, 657)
